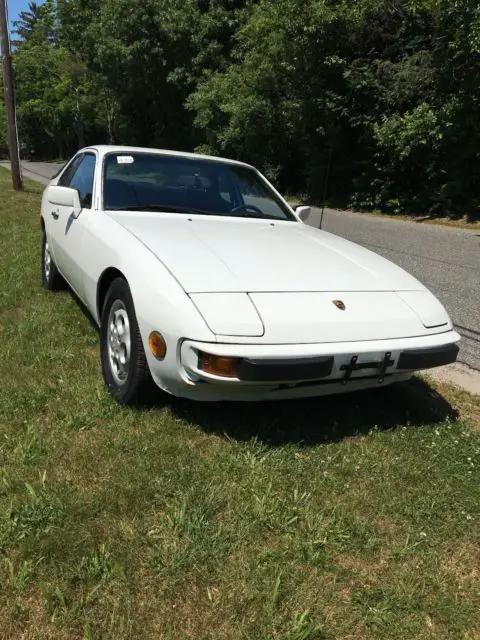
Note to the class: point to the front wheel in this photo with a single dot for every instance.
(51, 278)
(124, 365)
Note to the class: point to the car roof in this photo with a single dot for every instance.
(104, 149)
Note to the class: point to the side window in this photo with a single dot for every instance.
(82, 179)
(69, 171)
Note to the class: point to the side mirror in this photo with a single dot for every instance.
(65, 197)
(303, 212)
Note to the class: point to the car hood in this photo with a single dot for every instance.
(214, 254)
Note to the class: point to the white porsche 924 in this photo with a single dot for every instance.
(202, 277)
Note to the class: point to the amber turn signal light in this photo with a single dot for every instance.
(157, 345)
(222, 366)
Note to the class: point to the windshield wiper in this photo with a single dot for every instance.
(263, 216)
(192, 211)
(163, 207)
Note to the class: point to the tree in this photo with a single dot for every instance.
(27, 21)
(283, 103)
(386, 88)
(37, 23)
(3, 126)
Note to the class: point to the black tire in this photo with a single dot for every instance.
(51, 278)
(130, 390)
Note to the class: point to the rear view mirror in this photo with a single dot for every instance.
(65, 197)
(303, 212)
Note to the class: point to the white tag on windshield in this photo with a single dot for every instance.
(125, 160)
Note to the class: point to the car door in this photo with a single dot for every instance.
(52, 210)
(68, 234)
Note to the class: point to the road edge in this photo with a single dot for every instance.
(459, 375)
(417, 220)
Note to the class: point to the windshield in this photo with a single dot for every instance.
(155, 182)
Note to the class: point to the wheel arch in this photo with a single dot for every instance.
(108, 276)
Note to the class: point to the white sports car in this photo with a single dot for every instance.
(202, 278)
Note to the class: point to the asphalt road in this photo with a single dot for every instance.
(41, 172)
(446, 260)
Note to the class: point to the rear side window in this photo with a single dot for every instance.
(82, 178)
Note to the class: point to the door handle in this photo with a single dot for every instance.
(55, 215)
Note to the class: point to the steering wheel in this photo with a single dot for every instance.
(244, 208)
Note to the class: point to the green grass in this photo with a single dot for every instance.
(349, 517)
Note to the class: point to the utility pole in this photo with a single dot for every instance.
(10, 99)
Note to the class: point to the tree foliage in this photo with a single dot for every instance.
(28, 21)
(388, 89)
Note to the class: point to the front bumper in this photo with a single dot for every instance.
(307, 369)
(302, 370)
(431, 358)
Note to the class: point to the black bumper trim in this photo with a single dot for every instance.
(328, 383)
(428, 358)
(285, 370)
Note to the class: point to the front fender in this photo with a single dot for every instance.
(160, 302)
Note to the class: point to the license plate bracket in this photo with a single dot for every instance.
(354, 365)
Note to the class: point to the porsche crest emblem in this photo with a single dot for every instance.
(339, 304)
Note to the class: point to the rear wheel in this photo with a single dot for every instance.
(51, 278)
(124, 365)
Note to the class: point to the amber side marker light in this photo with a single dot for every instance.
(157, 345)
(222, 366)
